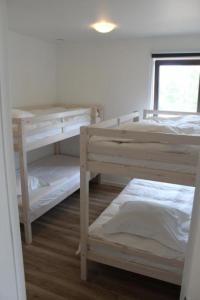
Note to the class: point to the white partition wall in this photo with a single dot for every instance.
(12, 285)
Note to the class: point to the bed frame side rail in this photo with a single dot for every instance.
(141, 172)
(137, 265)
(95, 112)
(115, 122)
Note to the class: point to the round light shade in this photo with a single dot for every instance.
(103, 26)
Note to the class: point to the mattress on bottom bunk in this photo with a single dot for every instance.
(146, 191)
(54, 176)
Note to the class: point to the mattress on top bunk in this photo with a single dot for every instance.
(28, 113)
(49, 178)
(189, 124)
(180, 197)
(73, 122)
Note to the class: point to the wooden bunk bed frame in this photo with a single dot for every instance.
(110, 129)
(22, 147)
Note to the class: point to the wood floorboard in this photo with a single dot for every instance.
(52, 268)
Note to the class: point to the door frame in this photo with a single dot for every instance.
(12, 270)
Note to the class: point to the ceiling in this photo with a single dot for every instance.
(70, 19)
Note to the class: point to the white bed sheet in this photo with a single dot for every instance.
(135, 189)
(61, 173)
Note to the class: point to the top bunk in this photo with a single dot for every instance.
(35, 127)
(163, 146)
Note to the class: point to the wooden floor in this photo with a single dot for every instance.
(53, 271)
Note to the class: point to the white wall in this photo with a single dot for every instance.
(107, 72)
(32, 70)
(115, 73)
(32, 74)
(112, 73)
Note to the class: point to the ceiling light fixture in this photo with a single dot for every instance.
(103, 26)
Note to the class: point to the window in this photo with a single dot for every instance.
(177, 82)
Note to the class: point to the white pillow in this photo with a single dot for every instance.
(164, 223)
(18, 113)
(33, 184)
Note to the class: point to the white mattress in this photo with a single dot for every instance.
(139, 188)
(60, 173)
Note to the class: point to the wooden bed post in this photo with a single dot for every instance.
(84, 200)
(96, 110)
(93, 114)
(101, 113)
(57, 148)
(136, 118)
(57, 145)
(144, 114)
(24, 184)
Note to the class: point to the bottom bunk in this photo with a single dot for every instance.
(144, 230)
(50, 180)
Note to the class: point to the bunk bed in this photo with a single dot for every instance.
(43, 184)
(154, 150)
